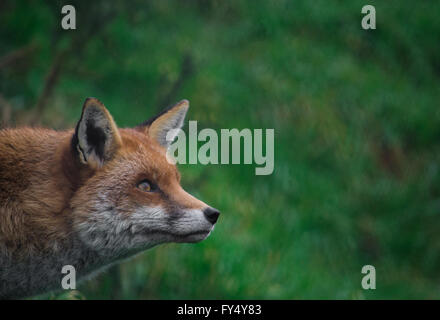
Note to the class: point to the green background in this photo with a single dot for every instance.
(357, 135)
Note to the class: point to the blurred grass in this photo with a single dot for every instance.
(357, 130)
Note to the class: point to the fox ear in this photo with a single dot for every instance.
(163, 127)
(96, 135)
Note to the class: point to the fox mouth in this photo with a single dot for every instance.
(183, 237)
(196, 233)
(195, 236)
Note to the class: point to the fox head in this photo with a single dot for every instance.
(132, 198)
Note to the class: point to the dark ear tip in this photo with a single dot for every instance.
(92, 101)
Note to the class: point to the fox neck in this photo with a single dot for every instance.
(44, 272)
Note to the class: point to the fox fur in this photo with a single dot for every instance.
(89, 197)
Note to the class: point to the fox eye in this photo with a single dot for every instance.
(145, 186)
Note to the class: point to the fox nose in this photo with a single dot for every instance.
(211, 214)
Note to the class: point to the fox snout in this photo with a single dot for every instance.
(211, 214)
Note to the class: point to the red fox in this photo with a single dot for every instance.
(90, 197)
